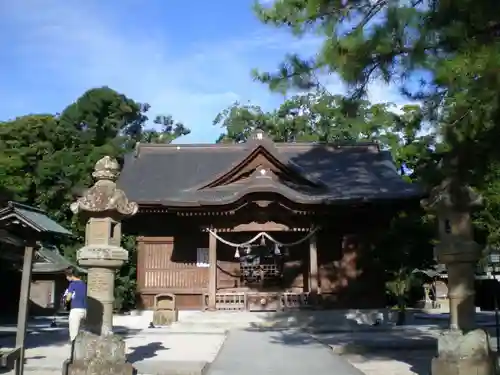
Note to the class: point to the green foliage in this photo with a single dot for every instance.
(487, 219)
(407, 245)
(443, 53)
(46, 160)
(317, 116)
(126, 280)
(322, 117)
(169, 131)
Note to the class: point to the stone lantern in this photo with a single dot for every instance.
(462, 349)
(103, 206)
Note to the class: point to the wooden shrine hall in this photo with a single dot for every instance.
(262, 225)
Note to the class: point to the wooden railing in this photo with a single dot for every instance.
(294, 300)
(238, 301)
(228, 301)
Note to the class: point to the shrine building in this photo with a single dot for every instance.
(262, 226)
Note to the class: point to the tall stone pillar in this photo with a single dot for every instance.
(212, 273)
(103, 206)
(462, 349)
(313, 269)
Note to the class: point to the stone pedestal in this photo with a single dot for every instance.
(460, 257)
(96, 354)
(463, 354)
(102, 262)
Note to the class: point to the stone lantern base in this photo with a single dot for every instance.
(98, 355)
(464, 354)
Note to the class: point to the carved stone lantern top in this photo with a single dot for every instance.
(106, 168)
(104, 196)
(452, 196)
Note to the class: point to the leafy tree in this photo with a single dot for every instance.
(169, 131)
(449, 47)
(317, 116)
(487, 219)
(407, 245)
(36, 157)
(322, 117)
(238, 122)
(45, 160)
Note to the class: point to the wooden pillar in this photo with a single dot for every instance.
(212, 271)
(313, 266)
(22, 315)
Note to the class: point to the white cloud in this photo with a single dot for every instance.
(82, 50)
(73, 46)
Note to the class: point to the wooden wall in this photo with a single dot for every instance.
(168, 266)
(46, 292)
(348, 279)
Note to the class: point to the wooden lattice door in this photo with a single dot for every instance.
(260, 267)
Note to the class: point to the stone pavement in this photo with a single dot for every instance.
(151, 352)
(251, 352)
(401, 351)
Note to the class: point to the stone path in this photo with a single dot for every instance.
(277, 352)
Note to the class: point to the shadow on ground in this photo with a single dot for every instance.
(357, 342)
(140, 353)
(45, 336)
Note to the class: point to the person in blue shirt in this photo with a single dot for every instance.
(76, 297)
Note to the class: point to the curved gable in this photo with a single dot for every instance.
(262, 155)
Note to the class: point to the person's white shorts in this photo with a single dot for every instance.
(76, 318)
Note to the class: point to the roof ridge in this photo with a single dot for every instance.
(176, 147)
(280, 145)
(13, 204)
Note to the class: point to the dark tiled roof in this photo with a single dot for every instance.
(174, 175)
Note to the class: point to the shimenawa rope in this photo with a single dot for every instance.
(263, 234)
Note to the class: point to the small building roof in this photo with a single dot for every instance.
(34, 218)
(48, 259)
(20, 223)
(307, 173)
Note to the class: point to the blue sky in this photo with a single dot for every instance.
(190, 59)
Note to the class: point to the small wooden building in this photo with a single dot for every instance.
(262, 225)
(25, 227)
(48, 279)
